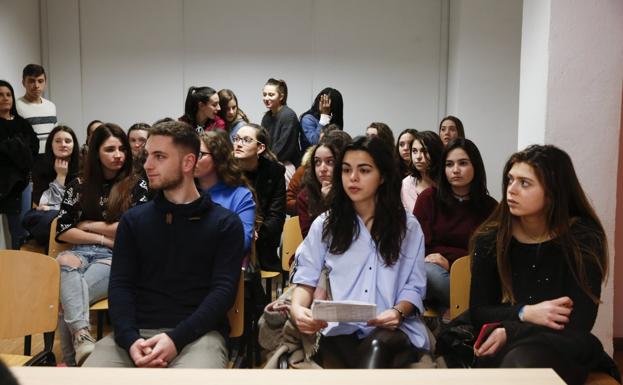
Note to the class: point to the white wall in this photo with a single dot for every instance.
(483, 78)
(129, 61)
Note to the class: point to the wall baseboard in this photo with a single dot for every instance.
(618, 343)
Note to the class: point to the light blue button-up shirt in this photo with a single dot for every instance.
(361, 275)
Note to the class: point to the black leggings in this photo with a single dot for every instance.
(535, 355)
(381, 349)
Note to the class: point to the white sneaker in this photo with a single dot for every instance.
(83, 345)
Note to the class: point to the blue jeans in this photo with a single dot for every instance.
(437, 286)
(18, 233)
(87, 284)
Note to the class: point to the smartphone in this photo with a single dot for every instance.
(485, 330)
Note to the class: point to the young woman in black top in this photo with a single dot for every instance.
(538, 265)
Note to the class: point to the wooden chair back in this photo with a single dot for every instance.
(292, 238)
(29, 293)
(235, 315)
(460, 281)
(55, 247)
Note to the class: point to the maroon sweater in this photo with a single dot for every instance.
(447, 231)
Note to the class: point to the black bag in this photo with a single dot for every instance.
(455, 342)
(37, 223)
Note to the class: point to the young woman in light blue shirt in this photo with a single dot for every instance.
(374, 252)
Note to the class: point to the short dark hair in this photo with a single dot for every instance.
(282, 88)
(183, 135)
(33, 70)
(139, 126)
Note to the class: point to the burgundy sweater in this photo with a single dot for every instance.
(447, 231)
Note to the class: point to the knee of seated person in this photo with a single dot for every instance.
(525, 356)
(68, 261)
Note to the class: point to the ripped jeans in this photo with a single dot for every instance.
(84, 285)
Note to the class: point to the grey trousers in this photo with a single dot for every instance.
(209, 351)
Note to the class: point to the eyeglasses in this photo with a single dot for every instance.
(202, 154)
(246, 140)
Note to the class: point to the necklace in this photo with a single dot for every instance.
(461, 198)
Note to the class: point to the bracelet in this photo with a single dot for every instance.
(402, 315)
(101, 239)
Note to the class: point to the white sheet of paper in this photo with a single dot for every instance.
(343, 311)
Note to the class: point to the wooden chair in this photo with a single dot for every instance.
(460, 281)
(29, 298)
(292, 238)
(100, 307)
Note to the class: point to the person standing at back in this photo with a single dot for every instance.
(38, 111)
(283, 126)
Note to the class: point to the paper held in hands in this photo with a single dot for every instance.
(343, 311)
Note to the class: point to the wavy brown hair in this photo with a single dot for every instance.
(120, 197)
(569, 218)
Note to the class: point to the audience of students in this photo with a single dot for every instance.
(450, 128)
(218, 174)
(88, 218)
(538, 266)
(425, 167)
(201, 109)
(266, 175)
(58, 166)
(403, 150)
(374, 252)
(178, 258)
(230, 112)
(328, 107)
(449, 214)
(314, 198)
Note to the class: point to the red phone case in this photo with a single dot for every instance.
(485, 330)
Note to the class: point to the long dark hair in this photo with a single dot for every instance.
(262, 136)
(4, 83)
(478, 192)
(569, 217)
(457, 122)
(224, 97)
(74, 165)
(193, 97)
(390, 222)
(44, 172)
(120, 198)
(337, 106)
(384, 132)
(335, 141)
(434, 149)
(405, 167)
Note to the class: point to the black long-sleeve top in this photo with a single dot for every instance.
(175, 266)
(540, 272)
(18, 148)
(284, 129)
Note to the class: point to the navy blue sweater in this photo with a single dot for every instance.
(174, 266)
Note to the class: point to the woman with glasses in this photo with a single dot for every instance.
(266, 174)
(218, 173)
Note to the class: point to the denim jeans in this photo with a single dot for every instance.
(437, 286)
(84, 285)
(18, 233)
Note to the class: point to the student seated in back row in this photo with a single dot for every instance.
(177, 266)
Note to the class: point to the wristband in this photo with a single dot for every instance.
(520, 314)
(101, 239)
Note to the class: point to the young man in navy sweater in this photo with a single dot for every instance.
(176, 267)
